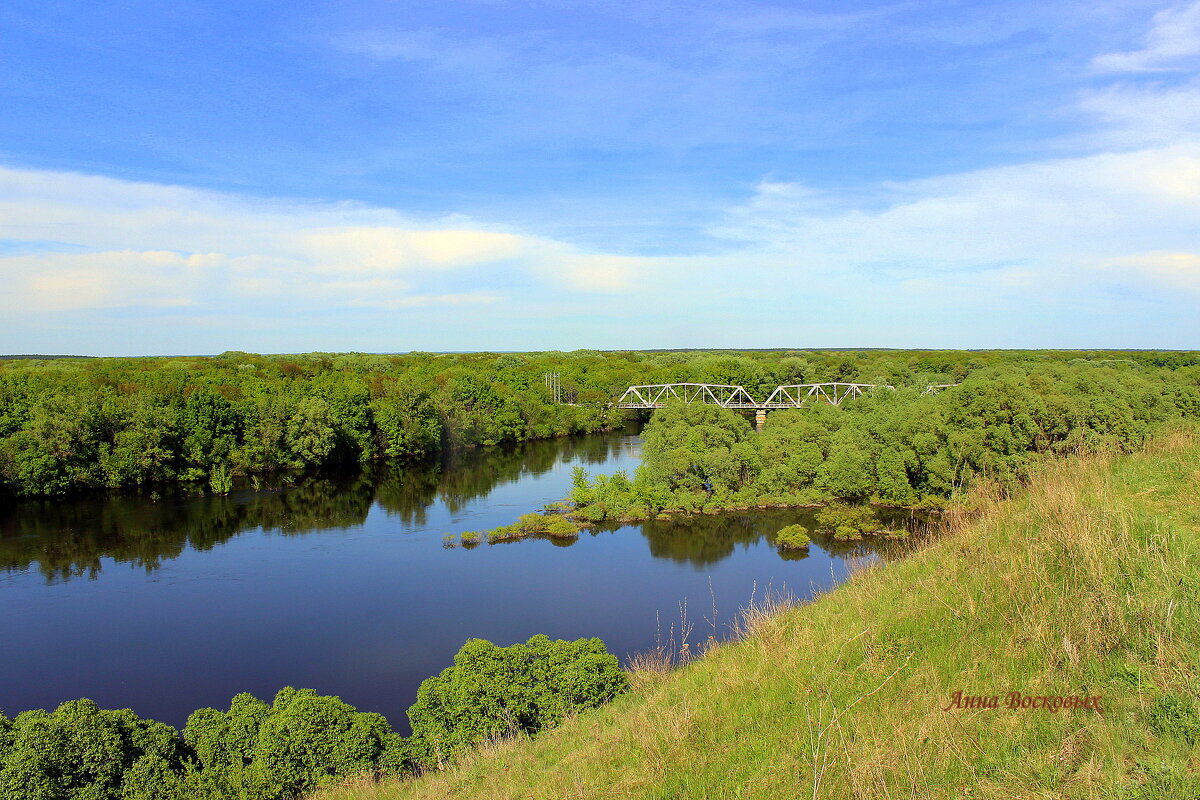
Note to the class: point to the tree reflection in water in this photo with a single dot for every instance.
(69, 538)
(703, 540)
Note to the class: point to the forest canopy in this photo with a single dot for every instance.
(112, 423)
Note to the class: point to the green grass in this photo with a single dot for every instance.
(1086, 584)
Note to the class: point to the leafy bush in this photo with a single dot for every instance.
(846, 533)
(496, 691)
(593, 512)
(302, 740)
(561, 528)
(793, 537)
(80, 751)
(307, 740)
(847, 521)
(505, 533)
(531, 523)
(221, 480)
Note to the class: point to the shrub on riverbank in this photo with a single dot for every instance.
(792, 537)
(554, 526)
(302, 740)
(493, 692)
(847, 521)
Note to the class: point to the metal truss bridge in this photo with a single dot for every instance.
(792, 396)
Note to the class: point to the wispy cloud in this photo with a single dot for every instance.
(1132, 115)
(426, 44)
(1172, 270)
(1034, 228)
(1172, 43)
(92, 242)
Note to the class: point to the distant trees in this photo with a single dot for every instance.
(70, 424)
(694, 447)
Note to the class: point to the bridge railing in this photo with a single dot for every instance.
(795, 395)
(659, 394)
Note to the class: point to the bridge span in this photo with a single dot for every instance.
(795, 395)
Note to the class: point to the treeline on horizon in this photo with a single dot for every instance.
(116, 423)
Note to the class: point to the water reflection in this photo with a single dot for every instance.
(704, 540)
(233, 593)
(68, 539)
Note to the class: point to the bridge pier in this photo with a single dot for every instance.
(760, 419)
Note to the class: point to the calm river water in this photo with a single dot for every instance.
(343, 584)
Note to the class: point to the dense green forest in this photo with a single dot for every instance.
(301, 740)
(109, 423)
(901, 447)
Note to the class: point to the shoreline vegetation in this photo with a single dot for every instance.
(302, 740)
(905, 448)
(210, 424)
(1078, 585)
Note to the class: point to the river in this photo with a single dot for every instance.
(342, 583)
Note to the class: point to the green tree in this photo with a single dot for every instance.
(496, 691)
(81, 752)
(312, 434)
(696, 447)
(407, 421)
(847, 471)
(307, 740)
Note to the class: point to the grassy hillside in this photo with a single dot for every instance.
(1085, 585)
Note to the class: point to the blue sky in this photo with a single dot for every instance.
(191, 177)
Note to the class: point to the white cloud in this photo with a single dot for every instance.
(423, 300)
(70, 281)
(1172, 43)
(1172, 270)
(1143, 116)
(379, 249)
(102, 243)
(597, 273)
(1030, 228)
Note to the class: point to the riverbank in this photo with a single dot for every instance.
(900, 682)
